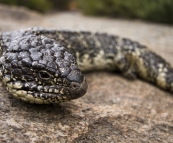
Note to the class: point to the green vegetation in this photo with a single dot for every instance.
(61, 4)
(39, 5)
(152, 10)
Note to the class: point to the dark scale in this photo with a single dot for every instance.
(44, 66)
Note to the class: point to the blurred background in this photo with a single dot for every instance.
(149, 10)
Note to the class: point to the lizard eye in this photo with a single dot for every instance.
(44, 75)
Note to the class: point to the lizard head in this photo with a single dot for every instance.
(37, 69)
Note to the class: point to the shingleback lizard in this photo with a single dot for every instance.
(44, 66)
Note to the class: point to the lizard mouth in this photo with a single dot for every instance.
(51, 94)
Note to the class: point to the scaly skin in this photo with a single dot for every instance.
(44, 66)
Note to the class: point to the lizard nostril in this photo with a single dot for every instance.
(75, 85)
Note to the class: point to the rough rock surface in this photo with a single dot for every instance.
(113, 110)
